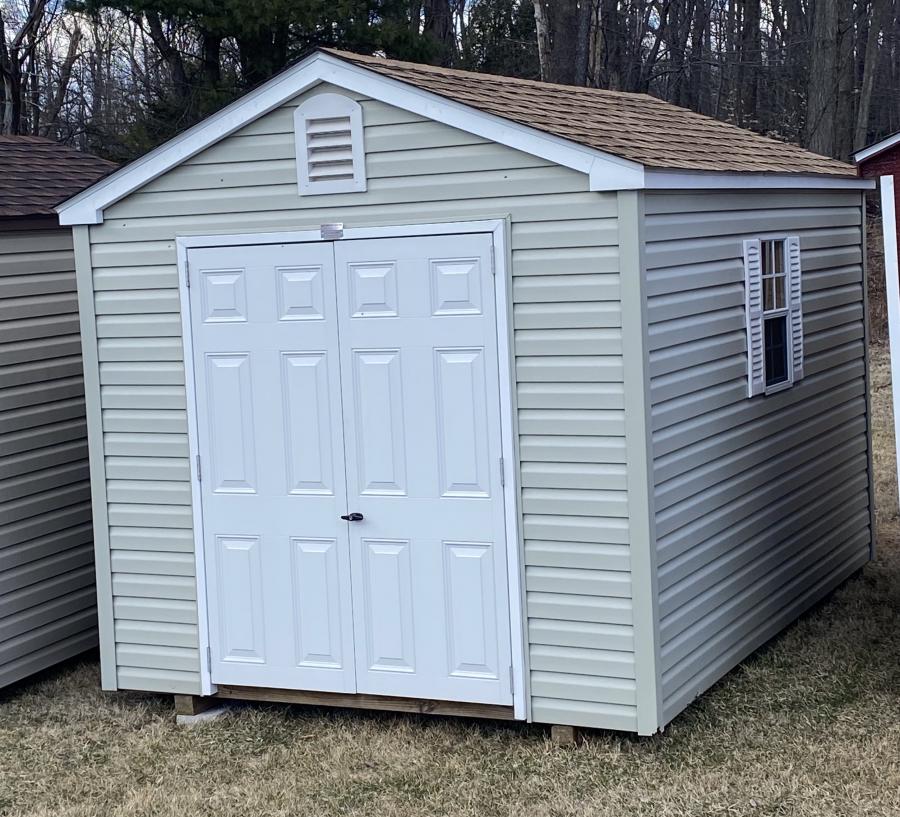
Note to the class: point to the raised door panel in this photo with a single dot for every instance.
(318, 588)
(307, 422)
(223, 295)
(300, 293)
(471, 620)
(462, 422)
(378, 415)
(388, 606)
(230, 422)
(240, 609)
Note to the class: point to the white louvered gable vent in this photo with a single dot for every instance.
(328, 130)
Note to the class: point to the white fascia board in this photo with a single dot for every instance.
(709, 180)
(606, 172)
(873, 150)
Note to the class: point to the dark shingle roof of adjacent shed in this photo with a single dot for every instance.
(637, 127)
(38, 173)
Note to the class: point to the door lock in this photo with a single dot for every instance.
(352, 517)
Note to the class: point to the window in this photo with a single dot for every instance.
(774, 314)
(328, 132)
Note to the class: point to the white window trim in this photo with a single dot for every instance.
(790, 311)
(783, 312)
(329, 106)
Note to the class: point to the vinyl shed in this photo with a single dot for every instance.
(47, 601)
(419, 389)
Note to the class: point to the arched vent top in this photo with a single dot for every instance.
(328, 129)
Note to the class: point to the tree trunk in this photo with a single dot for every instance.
(542, 24)
(747, 108)
(878, 18)
(822, 83)
(51, 114)
(582, 41)
(438, 28)
(845, 71)
(171, 56)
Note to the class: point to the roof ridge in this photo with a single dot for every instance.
(485, 76)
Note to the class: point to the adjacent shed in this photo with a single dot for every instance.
(47, 598)
(420, 389)
(881, 161)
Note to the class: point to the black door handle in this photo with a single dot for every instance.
(352, 517)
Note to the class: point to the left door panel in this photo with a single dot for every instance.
(266, 368)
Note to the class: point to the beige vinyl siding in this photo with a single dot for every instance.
(568, 347)
(763, 504)
(47, 599)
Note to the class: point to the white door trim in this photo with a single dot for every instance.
(502, 290)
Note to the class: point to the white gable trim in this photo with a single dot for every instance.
(711, 180)
(878, 147)
(606, 172)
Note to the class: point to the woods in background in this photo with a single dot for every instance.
(118, 77)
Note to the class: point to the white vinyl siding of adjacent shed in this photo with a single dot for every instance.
(568, 355)
(47, 599)
(762, 504)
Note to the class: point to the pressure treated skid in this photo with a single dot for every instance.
(668, 526)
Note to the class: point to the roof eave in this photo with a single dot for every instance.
(879, 147)
(605, 171)
(659, 179)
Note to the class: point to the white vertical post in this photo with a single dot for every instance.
(892, 294)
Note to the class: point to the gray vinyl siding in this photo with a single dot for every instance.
(569, 373)
(47, 599)
(762, 505)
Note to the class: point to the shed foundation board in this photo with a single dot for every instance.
(377, 702)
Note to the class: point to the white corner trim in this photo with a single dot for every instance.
(892, 294)
(184, 295)
(878, 147)
(705, 180)
(608, 171)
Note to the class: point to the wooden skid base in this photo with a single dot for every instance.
(564, 735)
(193, 704)
(357, 701)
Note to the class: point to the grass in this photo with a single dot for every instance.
(810, 725)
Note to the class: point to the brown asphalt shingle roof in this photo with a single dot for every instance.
(638, 127)
(38, 173)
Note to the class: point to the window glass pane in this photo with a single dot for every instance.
(765, 251)
(780, 283)
(779, 257)
(776, 349)
(768, 294)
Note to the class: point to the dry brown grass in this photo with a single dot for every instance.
(808, 726)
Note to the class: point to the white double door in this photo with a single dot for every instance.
(354, 377)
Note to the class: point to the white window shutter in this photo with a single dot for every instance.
(328, 133)
(756, 375)
(796, 304)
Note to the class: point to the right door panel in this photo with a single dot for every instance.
(421, 414)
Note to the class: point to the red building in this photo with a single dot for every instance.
(882, 161)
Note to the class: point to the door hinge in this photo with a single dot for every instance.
(502, 473)
(493, 264)
(187, 274)
(199, 472)
(511, 684)
(208, 656)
